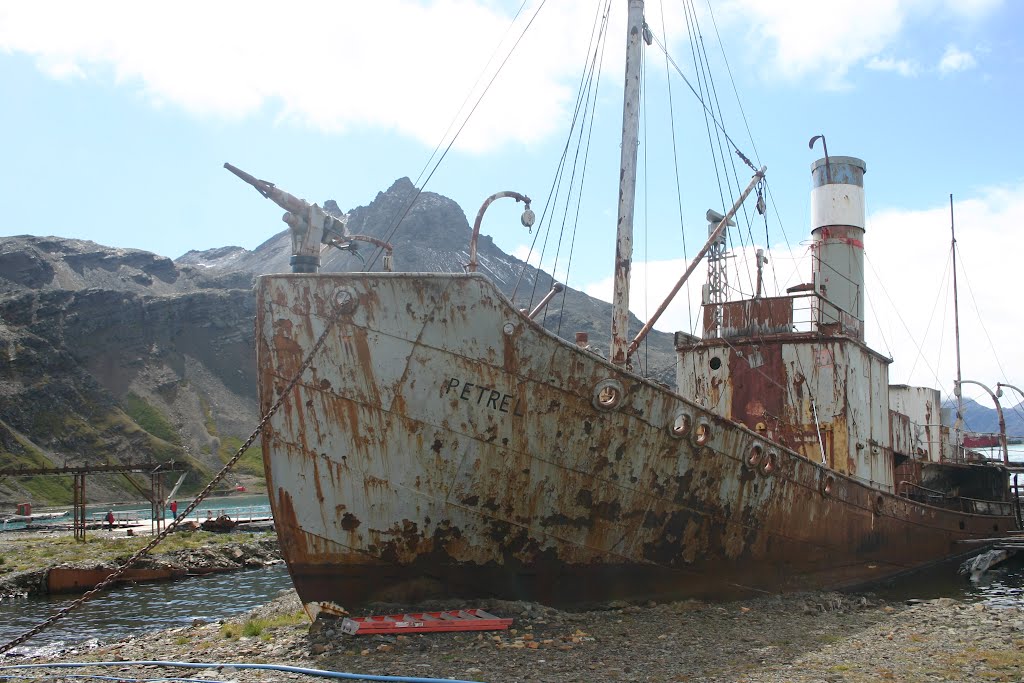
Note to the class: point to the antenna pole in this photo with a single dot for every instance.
(958, 425)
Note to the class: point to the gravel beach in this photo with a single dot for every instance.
(802, 638)
(821, 637)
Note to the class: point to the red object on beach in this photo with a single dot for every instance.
(426, 622)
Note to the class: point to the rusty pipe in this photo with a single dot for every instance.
(999, 413)
(527, 221)
(714, 237)
(555, 289)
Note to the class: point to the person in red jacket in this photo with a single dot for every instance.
(110, 519)
(174, 508)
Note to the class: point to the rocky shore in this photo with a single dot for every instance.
(241, 551)
(819, 638)
(814, 638)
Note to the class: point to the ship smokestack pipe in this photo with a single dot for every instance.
(837, 226)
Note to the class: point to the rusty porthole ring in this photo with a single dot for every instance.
(608, 394)
(771, 461)
(879, 505)
(702, 434)
(345, 301)
(827, 485)
(756, 453)
(680, 425)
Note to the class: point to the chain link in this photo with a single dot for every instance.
(114, 576)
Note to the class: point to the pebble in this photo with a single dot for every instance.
(810, 638)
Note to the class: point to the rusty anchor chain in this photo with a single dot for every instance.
(116, 574)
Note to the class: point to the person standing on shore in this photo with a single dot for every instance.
(110, 519)
(174, 509)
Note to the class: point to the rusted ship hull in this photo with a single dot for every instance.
(441, 441)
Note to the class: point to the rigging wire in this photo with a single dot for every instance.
(732, 190)
(403, 211)
(469, 93)
(579, 195)
(981, 322)
(941, 294)
(598, 33)
(906, 327)
(710, 117)
(592, 86)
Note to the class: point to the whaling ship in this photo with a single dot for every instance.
(441, 439)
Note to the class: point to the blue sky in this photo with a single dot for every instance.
(117, 119)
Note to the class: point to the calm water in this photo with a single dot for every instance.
(258, 504)
(134, 609)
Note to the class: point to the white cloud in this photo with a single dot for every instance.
(809, 39)
(954, 59)
(909, 289)
(333, 66)
(821, 39)
(524, 253)
(903, 67)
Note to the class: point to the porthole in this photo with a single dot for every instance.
(702, 434)
(608, 394)
(755, 455)
(827, 485)
(769, 463)
(715, 363)
(680, 425)
(345, 301)
(879, 504)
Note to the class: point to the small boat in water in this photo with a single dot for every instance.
(442, 439)
(24, 513)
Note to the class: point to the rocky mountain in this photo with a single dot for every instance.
(110, 355)
(984, 420)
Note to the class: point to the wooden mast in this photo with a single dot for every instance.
(958, 425)
(627, 183)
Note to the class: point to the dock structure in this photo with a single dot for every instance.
(155, 494)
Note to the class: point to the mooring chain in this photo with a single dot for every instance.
(192, 506)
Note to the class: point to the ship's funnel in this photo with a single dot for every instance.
(837, 225)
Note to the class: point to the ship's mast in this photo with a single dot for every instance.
(627, 183)
(958, 425)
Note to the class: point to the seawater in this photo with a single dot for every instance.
(209, 507)
(134, 609)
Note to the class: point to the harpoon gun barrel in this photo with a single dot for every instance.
(268, 190)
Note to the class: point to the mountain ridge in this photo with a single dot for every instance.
(112, 354)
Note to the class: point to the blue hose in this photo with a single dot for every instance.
(269, 667)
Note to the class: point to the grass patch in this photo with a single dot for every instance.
(208, 420)
(250, 463)
(149, 418)
(29, 553)
(231, 631)
(252, 628)
(258, 628)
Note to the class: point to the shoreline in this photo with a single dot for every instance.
(87, 563)
(799, 638)
(802, 638)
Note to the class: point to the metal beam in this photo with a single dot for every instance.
(169, 466)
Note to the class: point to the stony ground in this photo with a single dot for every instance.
(821, 637)
(803, 638)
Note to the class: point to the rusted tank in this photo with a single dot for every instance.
(441, 441)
